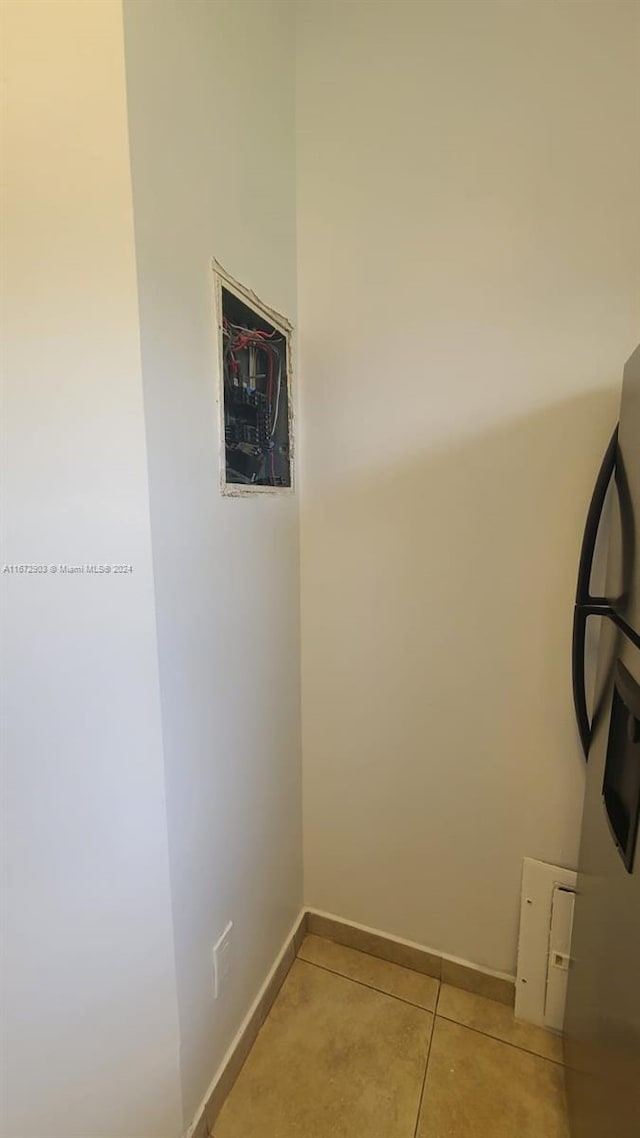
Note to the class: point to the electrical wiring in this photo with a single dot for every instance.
(253, 363)
(254, 331)
(279, 389)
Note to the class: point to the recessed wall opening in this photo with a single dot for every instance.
(255, 359)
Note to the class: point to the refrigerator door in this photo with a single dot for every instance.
(602, 1023)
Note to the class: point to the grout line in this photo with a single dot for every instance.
(426, 1066)
(498, 1039)
(371, 987)
(435, 1010)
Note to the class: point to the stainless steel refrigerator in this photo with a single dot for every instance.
(602, 1023)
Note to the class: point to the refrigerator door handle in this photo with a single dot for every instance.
(579, 679)
(587, 605)
(592, 525)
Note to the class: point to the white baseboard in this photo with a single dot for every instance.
(509, 976)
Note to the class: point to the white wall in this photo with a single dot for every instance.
(469, 241)
(90, 1013)
(211, 90)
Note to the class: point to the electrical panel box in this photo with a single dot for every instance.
(254, 352)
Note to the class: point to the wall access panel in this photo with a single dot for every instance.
(546, 916)
(254, 359)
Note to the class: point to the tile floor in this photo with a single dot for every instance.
(354, 1046)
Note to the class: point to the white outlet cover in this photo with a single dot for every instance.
(222, 959)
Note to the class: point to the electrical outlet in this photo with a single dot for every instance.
(222, 959)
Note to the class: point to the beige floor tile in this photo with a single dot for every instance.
(477, 1087)
(391, 978)
(333, 1059)
(497, 1020)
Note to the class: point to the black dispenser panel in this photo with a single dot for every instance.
(621, 785)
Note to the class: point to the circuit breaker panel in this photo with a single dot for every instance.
(255, 361)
